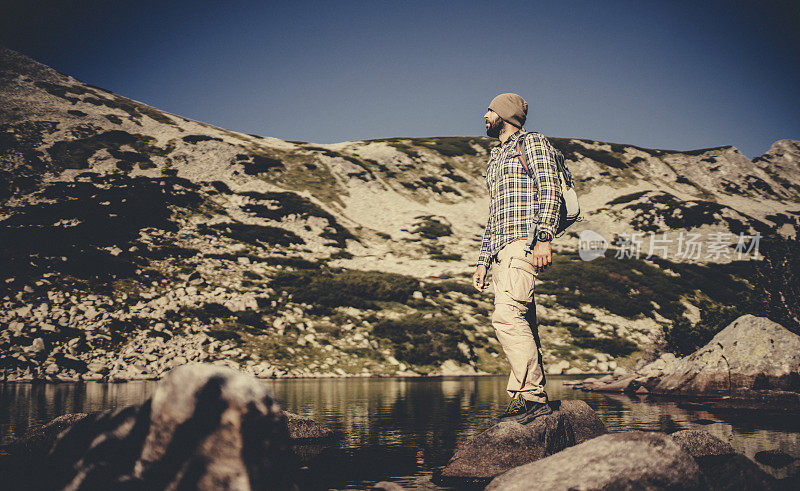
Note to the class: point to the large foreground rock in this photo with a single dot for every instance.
(508, 445)
(629, 460)
(751, 355)
(205, 427)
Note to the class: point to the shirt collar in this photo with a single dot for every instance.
(509, 142)
(513, 138)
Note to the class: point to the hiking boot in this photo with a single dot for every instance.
(535, 409)
(523, 411)
(516, 407)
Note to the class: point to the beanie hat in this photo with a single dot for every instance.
(511, 108)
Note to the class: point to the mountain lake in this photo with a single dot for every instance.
(405, 429)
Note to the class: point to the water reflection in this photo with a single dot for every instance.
(403, 430)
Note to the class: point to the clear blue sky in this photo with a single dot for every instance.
(662, 74)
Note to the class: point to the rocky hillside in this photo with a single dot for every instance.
(135, 240)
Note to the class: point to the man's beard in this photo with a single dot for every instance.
(495, 127)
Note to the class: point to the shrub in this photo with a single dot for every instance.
(630, 287)
(261, 164)
(251, 318)
(406, 149)
(221, 187)
(327, 289)
(573, 150)
(464, 287)
(31, 239)
(74, 154)
(200, 138)
(613, 345)
(424, 341)
(224, 335)
(209, 311)
(683, 338)
(432, 227)
(452, 256)
(449, 146)
(627, 198)
(778, 281)
(289, 203)
(253, 234)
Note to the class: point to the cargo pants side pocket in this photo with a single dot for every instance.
(520, 280)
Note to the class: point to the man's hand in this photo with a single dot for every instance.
(542, 256)
(479, 278)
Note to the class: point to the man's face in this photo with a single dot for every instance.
(493, 124)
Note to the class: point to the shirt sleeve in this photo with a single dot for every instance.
(483, 257)
(545, 173)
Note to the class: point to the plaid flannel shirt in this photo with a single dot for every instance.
(518, 204)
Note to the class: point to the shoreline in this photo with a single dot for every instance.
(65, 380)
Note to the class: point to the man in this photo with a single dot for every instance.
(523, 215)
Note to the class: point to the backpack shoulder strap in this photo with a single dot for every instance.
(522, 158)
(561, 167)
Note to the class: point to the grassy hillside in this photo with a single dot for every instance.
(135, 240)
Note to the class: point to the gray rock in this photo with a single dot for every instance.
(205, 427)
(583, 420)
(753, 357)
(774, 458)
(722, 468)
(621, 383)
(303, 428)
(751, 353)
(387, 486)
(628, 460)
(37, 346)
(735, 473)
(508, 445)
(37, 442)
(699, 443)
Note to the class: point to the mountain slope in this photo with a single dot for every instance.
(136, 240)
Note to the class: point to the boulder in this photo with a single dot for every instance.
(508, 445)
(699, 443)
(582, 419)
(303, 428)
(735, 472)
(774, 458)
(753, 357)
(751, 353)
(722, 467)
(37, 442)
(387, 486)
(204, 427)
(627, 460)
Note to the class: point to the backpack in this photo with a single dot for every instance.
(570, 209)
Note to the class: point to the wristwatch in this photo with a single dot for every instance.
(544, 236)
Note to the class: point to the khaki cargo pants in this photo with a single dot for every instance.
(514, 321)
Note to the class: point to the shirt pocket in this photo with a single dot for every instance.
(512, 166)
